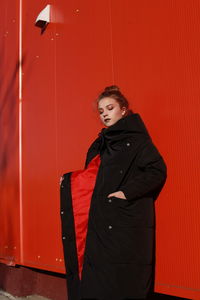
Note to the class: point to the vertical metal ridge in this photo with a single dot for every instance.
(55, 102)
(20, 134)
(111, 43)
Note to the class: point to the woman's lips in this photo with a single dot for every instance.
(107, 120)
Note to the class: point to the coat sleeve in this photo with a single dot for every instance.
(150, 176)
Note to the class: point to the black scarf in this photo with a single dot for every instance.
(129, 126)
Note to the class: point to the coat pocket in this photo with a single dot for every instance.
(119, 200)
(132, 213)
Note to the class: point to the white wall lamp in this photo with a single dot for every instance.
(43, 19)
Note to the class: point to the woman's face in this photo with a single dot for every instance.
(110, 111)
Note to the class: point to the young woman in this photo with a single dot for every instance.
(107, 209)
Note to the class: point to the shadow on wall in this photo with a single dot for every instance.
(9, 180)
(8, 113)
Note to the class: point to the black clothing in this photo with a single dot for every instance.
(119, 251)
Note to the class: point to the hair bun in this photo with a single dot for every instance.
(112, 88)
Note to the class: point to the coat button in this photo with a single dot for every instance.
(128, 144)
(64, 237)
(109, 200)
(121, 171)
(110, 226)
(62, 212)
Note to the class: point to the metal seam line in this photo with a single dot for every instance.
(111, 42)
(20, 134)
(55, 102)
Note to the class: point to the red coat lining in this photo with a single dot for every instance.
(82, 186)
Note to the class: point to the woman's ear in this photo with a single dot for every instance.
(123, 111)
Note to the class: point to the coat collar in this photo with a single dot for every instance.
(131, 125)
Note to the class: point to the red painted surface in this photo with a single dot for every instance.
(151, 49)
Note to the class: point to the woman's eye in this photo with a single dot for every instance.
(100, 112)
(110, 107)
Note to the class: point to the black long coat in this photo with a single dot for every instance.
(118, 255)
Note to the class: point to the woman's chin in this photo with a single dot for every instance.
(108, 124)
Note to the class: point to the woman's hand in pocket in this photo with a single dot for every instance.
(118, 194)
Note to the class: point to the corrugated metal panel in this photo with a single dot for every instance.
(9, 168)
(151, 50)
(156, 49)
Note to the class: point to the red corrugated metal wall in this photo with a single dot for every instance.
(151, 49)
(9, 146)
